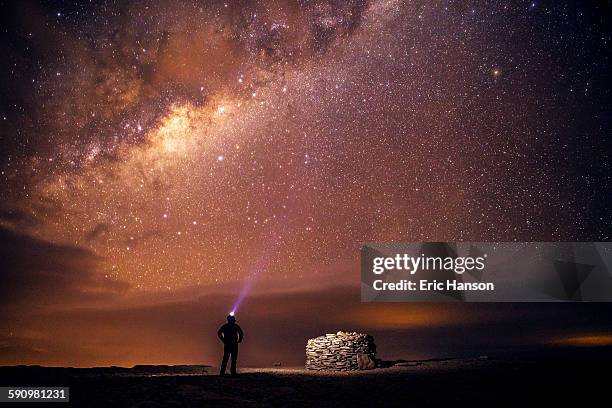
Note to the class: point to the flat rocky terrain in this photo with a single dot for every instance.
(565, 376)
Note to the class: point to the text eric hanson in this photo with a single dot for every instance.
(425, 285)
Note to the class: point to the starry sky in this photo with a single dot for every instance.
(158, 155)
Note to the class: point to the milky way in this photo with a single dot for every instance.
(184, 143)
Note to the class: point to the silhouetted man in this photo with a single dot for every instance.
(230, 334)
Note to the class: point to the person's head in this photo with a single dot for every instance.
(231, 318)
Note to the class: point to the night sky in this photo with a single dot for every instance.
(158, 155)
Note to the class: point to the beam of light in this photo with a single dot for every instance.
(246, 288)
(269, 247)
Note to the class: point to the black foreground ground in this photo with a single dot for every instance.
(564, 376)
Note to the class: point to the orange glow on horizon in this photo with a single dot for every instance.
(585, 340)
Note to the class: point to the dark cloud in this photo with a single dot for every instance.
(18, 218)
(37, 272)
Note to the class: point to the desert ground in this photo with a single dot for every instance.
(560, 376)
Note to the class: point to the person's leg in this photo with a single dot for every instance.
(234, 358)
(226, 354)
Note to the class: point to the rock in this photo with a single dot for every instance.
(365, 362)
(342, 351)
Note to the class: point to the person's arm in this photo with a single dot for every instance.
(240, 335)
(220, 333)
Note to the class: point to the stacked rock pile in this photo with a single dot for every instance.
(343, 351)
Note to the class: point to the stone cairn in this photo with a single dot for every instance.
(343, 351)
